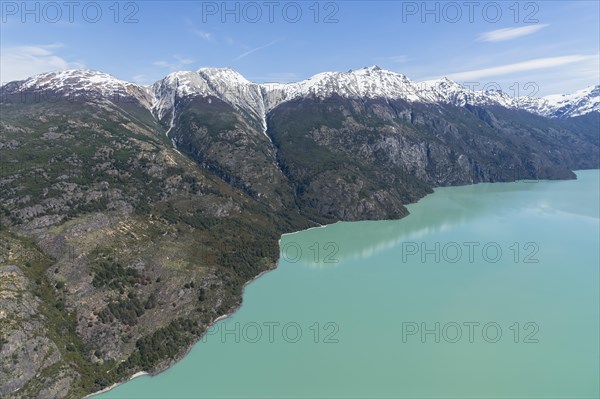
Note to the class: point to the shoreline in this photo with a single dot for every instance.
(188, 350)
(136, 375)
(320, 226)
(218, 319)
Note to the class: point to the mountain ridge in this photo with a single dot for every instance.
(257, 99)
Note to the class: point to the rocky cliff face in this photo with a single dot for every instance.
(131, 217)
(337, 152)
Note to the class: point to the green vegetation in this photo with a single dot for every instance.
(125, 309)
(111, 274)
(165, 343)
(201, 294)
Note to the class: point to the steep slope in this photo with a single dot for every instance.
(222, 83)
(207, 119)
(364, 157)
(122, 240)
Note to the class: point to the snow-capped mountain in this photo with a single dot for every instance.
(449, 92)
(371, 82)
(553, 106)
(566, 105)
(79, 83)
(256, 100)
(223, 83)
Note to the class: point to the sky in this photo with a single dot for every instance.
(523, 48)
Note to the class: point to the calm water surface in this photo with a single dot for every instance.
(484, 291)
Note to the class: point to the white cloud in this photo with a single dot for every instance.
(539, 63)
(176, 65)
(247, 53)
(567, 80)
(21, 62)
(203, 34)
(501, 35)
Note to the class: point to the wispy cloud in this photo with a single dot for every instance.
(254, 50)
(203, 34)
(500, 35)
(20, 62)
(539, 63)
(176, 65)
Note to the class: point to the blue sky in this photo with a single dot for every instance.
(508, 44)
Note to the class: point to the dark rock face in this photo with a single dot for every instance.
(391, 153)
(127, 249)
(227, 144)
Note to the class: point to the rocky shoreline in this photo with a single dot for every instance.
(187, 351)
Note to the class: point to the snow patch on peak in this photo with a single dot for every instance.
(223, 83)
(442, 82)
(368, 82)
(224, 74)
(86, 83)
(578, 103)
(77, 79)
(562, 105)
(256, 100)
(447, 91)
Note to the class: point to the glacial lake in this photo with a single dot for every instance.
(484, 291)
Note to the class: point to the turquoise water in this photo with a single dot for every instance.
(509, 271)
